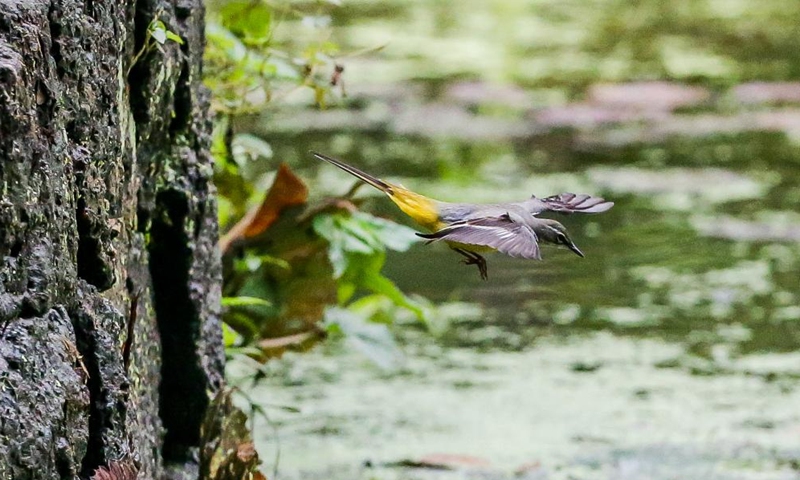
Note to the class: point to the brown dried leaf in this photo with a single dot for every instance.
(124, 470)
(246, 452)
(286, 191)
(275, 347)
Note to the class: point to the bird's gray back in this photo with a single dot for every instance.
(459, 212)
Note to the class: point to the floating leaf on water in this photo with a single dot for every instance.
(767, 92)
(654, 95)
(445, 461)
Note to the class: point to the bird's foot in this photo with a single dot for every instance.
(472, 258)
(481, 263)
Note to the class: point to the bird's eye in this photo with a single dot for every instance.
(562, 239)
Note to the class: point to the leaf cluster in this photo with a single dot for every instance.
(294, 272)
(246, 68)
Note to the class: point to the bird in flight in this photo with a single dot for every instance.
(471, 229)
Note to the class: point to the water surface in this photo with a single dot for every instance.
(671, 350)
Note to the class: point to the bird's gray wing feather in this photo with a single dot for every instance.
(571, 203)
(501, 233)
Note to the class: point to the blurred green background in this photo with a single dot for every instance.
(670, 351)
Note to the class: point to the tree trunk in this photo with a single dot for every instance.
(110, 343)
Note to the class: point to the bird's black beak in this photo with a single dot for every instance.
(575, 249)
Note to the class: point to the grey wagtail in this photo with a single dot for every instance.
(470, 229)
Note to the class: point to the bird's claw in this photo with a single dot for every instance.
(481, 263)
(472, 258)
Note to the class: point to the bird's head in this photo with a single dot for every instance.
(554, 232)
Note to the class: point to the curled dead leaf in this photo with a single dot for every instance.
(286, 191)
(276, 347)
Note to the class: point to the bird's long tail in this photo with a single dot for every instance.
(375, 182)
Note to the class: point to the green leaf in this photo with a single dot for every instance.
(319, 96)
(357, 244)
(222, 42)
(235, 63)
(345, 291)
(229, 336)
(252, 263)
(343, 239)
(241, 323)
(384, 286)
(338, 260)
(248, 148)
(363, 233)
(251, 20)
(325, 226)
(373, 340)
(174, 37)
(269, 260)
(364, 271)
(389, 234)
(158, 31)
(233, 302)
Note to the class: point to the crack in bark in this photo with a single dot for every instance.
(86, 345)
(54, 28)
(182, 390)
(96, 323)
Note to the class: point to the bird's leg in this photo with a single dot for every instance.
(473, 258)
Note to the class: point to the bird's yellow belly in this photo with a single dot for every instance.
(471, 248)
(426, 213)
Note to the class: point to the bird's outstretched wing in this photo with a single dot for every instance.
(567, 203)
(501, 233)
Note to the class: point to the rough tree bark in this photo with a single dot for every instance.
(110, 344)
